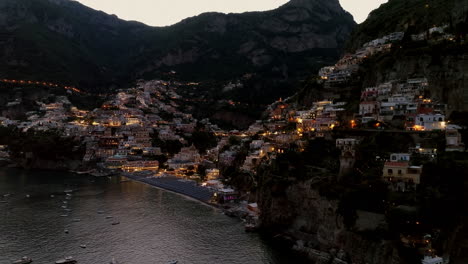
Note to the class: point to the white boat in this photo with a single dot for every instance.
(67, 260)
(109, 217)
(173, 262)
(100, 212)
(64, 215)
(115, 223)
(66, 231)
(23, 260)
(28, 196)
(83, 246)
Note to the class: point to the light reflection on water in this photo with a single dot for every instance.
(155, 226)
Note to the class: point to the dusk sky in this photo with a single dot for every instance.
(168, 12)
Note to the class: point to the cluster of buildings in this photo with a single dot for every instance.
(402, 100)
(322, 117)
(124, 133)
(343, 70)
(434, 33)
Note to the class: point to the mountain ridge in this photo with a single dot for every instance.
(66, 41)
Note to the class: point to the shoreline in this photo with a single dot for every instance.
(153, 182)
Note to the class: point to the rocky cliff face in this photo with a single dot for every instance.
(411, 16)
(443, 63)
(312, 221)
(446, 73)
(63, 40)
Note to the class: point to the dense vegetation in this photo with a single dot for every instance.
(44, 145)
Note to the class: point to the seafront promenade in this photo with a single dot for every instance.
(187, 188)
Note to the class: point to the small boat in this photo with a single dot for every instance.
(83, 172)
(6, 195)
(28, 196)
(52, 196)
(109, 217)
(69, 194)
(100, 212)
(67, 260)
(173, 262)
(115, 223)
(68, 191)
(66, 231)
(76, 220)
(65, 202)
(83, 246)
(3, 201)
(23, 260)
(64, 215)
(68, 198)
(64, 206)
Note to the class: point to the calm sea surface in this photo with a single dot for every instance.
(155, 226)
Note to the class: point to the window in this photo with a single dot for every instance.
(390, 171)
(399, 172)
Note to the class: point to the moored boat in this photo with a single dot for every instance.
(23, 260)
(67, 260)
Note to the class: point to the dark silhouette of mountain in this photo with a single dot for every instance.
(64, 41)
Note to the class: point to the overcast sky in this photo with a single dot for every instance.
(168, 12)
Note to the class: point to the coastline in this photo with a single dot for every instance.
(172, 184)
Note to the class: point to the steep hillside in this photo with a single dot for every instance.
(412, 17)
(444, 62)
(62, 40)
(434, 46)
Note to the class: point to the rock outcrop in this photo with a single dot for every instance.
(300, 213)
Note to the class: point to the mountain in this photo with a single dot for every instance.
(440, 56)
(64, 41)
(412, 17)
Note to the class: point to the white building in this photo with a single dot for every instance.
(453, 139)
(432, 260)
(256, 144)
(368, 108)
(400, 157)
(430, 122)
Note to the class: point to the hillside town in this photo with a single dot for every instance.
(146, 134)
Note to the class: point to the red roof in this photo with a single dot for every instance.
(396, 164)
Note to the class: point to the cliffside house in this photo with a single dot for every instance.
(453, 139)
